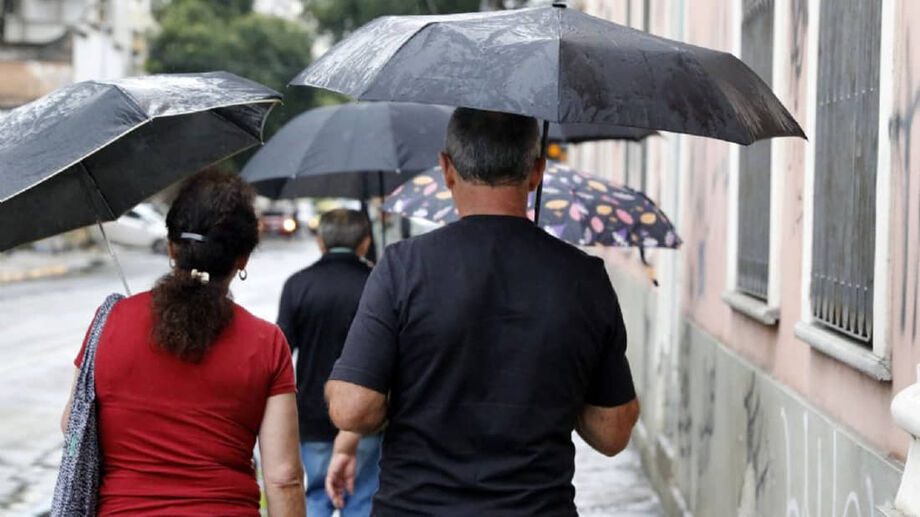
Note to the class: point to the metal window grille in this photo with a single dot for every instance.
(754, 161)
(846, 156)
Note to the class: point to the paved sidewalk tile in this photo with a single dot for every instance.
(612, 487)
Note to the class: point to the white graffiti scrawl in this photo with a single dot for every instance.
(801, 497)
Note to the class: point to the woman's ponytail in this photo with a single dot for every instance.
(212, 228)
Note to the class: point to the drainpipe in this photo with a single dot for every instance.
(906, 411)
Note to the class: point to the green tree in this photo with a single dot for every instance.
(207, 35)
(339, 17)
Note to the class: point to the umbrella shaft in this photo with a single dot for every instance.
(538, 196)
(108, 245)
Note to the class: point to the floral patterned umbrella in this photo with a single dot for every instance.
(576, 208)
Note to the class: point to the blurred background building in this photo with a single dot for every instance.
(47, 44)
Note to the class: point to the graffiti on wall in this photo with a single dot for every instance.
(809, 492)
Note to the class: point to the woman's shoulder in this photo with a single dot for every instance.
(248, 323)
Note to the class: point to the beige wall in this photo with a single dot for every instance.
(698, 188)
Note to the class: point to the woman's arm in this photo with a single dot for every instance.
(279, 444)
(65, 418)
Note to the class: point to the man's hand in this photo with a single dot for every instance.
(340, 477)
(343, 466)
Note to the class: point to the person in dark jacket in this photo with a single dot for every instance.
(317, 306)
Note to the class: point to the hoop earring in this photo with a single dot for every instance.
(243, 275)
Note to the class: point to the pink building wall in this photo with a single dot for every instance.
(850, 397)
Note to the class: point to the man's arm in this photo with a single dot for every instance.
(355, 408)
(607, 429)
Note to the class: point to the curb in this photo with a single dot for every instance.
(52, 271)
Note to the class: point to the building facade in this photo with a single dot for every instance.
(47, 44)
(768, 357)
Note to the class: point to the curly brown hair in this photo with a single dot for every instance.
(189, 315)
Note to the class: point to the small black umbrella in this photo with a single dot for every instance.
(358, 150)
(89, 152)
(556, 64)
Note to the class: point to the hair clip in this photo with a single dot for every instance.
(202, 276)
(188, 236)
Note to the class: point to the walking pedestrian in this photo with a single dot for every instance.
(317, 307)
(186, 380)
(481, 346)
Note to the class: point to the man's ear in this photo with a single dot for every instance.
(536, 174)
(447, 167)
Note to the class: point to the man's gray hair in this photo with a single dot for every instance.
(492, 148)
(343, 228)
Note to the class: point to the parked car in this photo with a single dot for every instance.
(141, 227)
(278, 222)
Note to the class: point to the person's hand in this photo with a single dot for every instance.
(340, 477)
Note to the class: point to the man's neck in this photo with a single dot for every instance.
(485, 200)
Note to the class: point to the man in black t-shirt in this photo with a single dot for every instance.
(317, 306)
(482, 346)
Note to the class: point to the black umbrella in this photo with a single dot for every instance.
(89, 152)
(355, 151)
(556, 64)
(577, 133)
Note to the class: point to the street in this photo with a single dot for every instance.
(43, 325)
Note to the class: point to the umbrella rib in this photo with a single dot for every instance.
(95, 186)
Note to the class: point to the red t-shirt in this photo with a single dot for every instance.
(177, 437)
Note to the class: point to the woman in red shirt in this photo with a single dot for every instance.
(186, 380)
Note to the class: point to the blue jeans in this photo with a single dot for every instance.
(316, 457)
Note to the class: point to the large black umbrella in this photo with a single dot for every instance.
(576, 133)
(356, 150)
(556, 64)
(89, 152)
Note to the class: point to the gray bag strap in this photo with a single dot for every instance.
(86, 383)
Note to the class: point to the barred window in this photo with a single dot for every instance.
(846, 158)
(754, 161)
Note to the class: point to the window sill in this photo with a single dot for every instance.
(752, 307)
(844, 350)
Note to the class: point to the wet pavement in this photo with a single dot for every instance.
(43, 323)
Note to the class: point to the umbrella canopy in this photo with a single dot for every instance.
(577, 208)
(91, 151)
(555, 64)
(577, 133)
(350, 150)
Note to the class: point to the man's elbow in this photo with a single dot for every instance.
(355, 409)
(615, 442)
(349, 418)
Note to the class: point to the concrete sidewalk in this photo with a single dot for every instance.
(20, 266)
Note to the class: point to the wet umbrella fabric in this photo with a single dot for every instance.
(359, 150)
(577, 133)
(91, 151)
(555, 64)
(577, 208)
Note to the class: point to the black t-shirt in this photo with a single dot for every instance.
(489, 336)
(317, 306)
